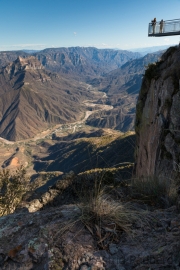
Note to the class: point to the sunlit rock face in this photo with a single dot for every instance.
(158, 119)
(20, 64)
(30, 63)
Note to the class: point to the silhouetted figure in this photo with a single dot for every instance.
(161, 26)
(154, 25)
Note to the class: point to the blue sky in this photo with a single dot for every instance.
(123, 24)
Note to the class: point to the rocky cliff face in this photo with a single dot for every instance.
(158, 118)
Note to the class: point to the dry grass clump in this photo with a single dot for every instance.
(103, 216)
(154, 191)
(108, 212)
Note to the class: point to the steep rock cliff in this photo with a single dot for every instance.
(157, 122)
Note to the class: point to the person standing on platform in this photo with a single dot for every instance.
(161, 26)
(154, 25)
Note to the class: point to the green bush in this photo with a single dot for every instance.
(12, 189)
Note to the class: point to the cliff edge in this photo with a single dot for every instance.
(157, 123)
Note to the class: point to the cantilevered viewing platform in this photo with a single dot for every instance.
(165, 28)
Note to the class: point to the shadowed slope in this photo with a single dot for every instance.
(83, 154)
(31, 99)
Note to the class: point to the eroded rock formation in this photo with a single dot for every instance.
(158, 118)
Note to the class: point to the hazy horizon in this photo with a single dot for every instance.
(140, 50)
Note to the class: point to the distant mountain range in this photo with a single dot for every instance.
(76, 61)
(30, 51)
(87, 61)
(146, 50)
(50, 87)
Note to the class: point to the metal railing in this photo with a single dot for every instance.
(168, 28)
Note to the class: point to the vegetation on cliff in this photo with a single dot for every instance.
(12, 188)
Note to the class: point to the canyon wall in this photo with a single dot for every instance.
(157, 123)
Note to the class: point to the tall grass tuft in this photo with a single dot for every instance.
(103, 216)
(154, 191)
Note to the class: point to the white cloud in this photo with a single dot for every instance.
(22, 46)
(75, 33)
(25, 45)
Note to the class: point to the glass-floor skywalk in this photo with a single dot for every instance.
(164, 28)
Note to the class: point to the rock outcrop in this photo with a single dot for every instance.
(158, 119)
(39, 240)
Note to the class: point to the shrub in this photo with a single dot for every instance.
(150, 71)
(12, 189)
(154, 191)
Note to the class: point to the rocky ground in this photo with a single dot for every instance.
(48, 234)
(34, 241)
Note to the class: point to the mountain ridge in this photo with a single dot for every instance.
(87, 61)
(33, 98)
